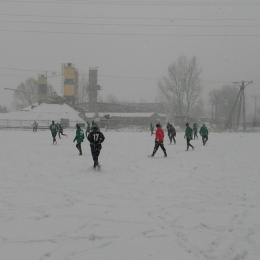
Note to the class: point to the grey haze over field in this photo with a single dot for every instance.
(131, 54)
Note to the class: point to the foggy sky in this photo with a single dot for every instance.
(130, 65)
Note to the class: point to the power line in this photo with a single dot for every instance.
(108, 76)
(134, 79)
(39, 71)
(156, 79)
(136, 3)
(125, 77)
(4, 68)
(16, 69)
(136, 25)
(100, 75)
(137, 34)
(18, 76)
(129, 18)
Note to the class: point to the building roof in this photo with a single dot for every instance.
(142, 115)
(44, 111)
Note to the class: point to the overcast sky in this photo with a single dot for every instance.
(131, 42)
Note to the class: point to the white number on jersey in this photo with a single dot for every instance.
(96, 136)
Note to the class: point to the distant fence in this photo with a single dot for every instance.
(106, 125)
(42, 124)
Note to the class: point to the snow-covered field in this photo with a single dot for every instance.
(201, 204)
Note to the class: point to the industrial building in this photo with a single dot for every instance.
(112, 115)
(108, 114)
(102, 107)
(70, 77)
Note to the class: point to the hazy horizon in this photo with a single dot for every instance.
(131, 43)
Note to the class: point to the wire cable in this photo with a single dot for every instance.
(130, 18)
(137, 25)
(128, 79)
(100, 76)
(136, 34)
(136, 3)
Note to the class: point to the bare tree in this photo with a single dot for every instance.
(158, 99)
(26, 93)
(222, 100)
(193, 86)
(143, 100)
(111, 98)
(3, 109)
(182, 87)
(82, 90)
(215, 98)
(198, 109)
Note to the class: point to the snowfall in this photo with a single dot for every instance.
(201, 204)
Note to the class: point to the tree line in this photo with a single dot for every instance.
(3, 109)
(180, 90)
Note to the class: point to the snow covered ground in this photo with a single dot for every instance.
(202, 204)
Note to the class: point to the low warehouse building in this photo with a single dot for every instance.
(112, 120)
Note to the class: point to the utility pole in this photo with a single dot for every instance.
(239, 102)
(255, 97)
